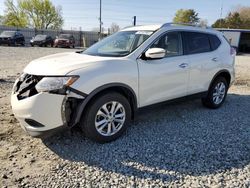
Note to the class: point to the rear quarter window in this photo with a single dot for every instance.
(214, 41)
(197, 42)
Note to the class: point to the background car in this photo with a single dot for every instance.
(42, 40)
(65, 40)
(12, 38)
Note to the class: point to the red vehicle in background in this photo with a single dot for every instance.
(65, 40)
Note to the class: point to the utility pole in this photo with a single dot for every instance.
(100, 19)
(134, 20)
(221, 11)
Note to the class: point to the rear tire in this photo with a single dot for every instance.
(217, 93)
(106, 118)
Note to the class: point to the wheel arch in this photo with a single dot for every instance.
(121, 88)
(222, 73)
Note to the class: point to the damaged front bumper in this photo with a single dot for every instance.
(44, 112)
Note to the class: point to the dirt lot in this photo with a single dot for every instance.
(174, 145)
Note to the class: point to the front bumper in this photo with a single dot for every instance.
(43, 112)
(44, 109)
(6, 41)
(63, 44)
(36, 43)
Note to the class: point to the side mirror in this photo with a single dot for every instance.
(155, 53)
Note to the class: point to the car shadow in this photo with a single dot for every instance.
(168, 140)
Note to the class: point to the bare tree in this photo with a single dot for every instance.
(1, 20)
(203, 22)
(244, 13)
(114, 28)
(97, 29)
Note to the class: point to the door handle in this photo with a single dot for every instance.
(215, 59)
(183, 65)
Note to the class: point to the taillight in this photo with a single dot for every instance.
(232, 51)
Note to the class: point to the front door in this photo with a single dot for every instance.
(166, 78)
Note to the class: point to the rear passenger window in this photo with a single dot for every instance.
(197, 42)
(214, 41)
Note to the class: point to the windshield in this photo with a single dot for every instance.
(40, 37)
(8, 33)
(64, 36)
(119, 44)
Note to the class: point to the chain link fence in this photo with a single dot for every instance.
(82, 38)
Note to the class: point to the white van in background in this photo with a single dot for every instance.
(238, 38)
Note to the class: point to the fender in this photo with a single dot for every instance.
(84, 103)
(221, 71)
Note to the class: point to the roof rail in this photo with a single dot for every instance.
(185, 24)
(131, 26)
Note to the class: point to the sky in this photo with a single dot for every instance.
(84, 14)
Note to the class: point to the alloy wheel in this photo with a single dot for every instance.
(110, 118)
(219, 93)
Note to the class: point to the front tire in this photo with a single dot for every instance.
(216, 94)
(106, 117)
(14, 43)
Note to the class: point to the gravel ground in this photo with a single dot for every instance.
(176, 145)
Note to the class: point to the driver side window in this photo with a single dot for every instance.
(171, 42)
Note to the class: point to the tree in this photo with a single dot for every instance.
(203, 23)
(14, 16)
(244, 13)
(97, 29)
(220, 23)
(40, 14)
(186, 16)
(1, 20)
(238, 18)
(114, 28)
(234, 21)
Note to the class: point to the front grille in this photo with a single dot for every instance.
(25, 86)
(62, 42)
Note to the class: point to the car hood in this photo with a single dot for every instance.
(5, 36)
(62, 63)
(61, 39)
(37, 40)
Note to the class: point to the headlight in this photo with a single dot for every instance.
(54, 83)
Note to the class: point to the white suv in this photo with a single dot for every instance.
(101, 88)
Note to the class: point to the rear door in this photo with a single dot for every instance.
(203, 60)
